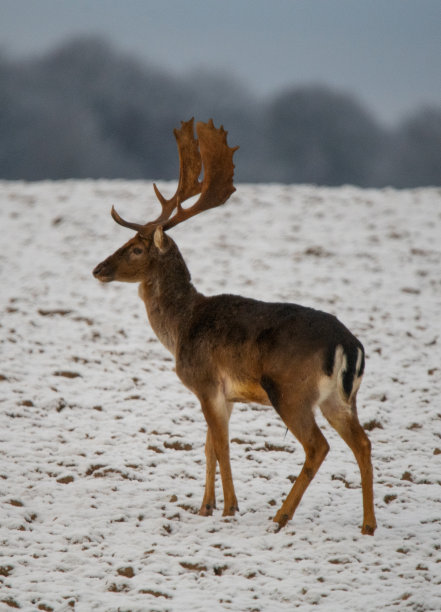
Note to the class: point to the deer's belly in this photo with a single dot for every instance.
(244, 391)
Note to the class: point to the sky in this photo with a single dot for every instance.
(387, 53)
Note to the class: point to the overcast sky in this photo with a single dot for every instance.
(387, 52)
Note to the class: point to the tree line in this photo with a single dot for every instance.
(85, 110)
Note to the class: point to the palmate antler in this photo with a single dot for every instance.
(209, 151)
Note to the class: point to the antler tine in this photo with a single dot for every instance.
(135, 226)
(217, 184)
(190, 166)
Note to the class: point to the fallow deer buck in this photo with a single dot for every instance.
(234, 349)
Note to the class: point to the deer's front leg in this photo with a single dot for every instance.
(217, 414)
(209, 501)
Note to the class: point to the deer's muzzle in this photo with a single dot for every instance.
(103, 272)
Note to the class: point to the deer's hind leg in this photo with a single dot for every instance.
(343, 418)
(297, 413)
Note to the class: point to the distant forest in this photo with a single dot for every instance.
(85, 110)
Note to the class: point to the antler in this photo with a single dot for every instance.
(216, 187)
(190, 166)
(188, 186)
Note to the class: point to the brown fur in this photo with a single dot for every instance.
(230, 348)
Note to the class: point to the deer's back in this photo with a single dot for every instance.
(240, 340)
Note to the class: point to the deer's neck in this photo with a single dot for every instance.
(169, 298)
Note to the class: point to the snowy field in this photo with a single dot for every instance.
(101, 447)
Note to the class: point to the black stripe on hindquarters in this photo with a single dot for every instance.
(350, 372)
(328, 365)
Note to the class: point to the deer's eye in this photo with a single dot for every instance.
(137, 250)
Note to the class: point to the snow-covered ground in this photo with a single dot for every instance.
(101, 447)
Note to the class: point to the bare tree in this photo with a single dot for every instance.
(318, 136)
(86, 110)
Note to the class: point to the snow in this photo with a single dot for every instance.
(101, 447)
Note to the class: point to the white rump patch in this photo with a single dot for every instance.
(359, 359)
(331, 384)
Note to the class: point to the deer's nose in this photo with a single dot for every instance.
(102, 272)
(97, 270)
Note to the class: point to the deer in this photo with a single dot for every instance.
(229, 348)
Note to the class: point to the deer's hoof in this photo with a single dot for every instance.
(231, 511)
(368, 530)
(206, 510)
(281, 519)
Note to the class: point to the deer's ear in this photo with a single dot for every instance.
(162, 243)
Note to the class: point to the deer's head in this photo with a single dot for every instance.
(135, 260)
